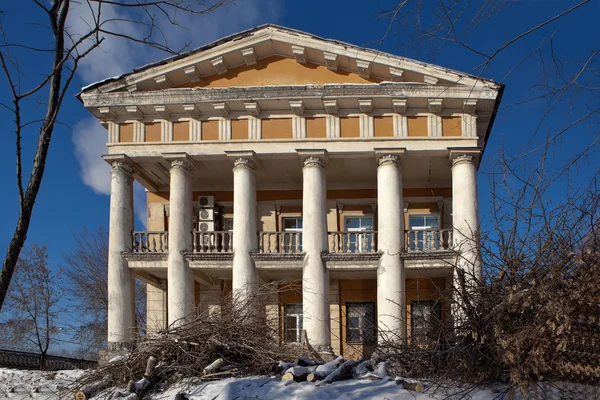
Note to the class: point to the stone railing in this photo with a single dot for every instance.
(346, 242)
(280, 242)
(428, 240)
(150, 242)
(213, 242)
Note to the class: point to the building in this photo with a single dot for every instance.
(274, 154)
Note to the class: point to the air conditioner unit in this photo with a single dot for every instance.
(206, 214)
(206, 201)
(206, 226)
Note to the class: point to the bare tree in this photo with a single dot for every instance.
(67, 51)
(34, 302)
(87, 275)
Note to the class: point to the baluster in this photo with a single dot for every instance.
(338, 242)
(363, 245)
(268, 237)
(298, 242)
(282, 242)
(152, 248)
(230, 241)
(223, 248)
(134, 238)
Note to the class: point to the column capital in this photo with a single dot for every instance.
(180, 161)
(386, 156)
(119, 163)
(243, 159)
(244, 162)
(464, 155)
(313, 157)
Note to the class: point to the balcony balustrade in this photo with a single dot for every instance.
(347, 242)
(280, 242)
(428, 240)
(213, 242)
(150, 242)
(339, 242)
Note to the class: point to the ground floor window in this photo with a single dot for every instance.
(425, 321)
(292, 322)
(360, 323)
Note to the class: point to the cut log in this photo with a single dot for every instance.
(143, 384)
(340, 373)
(382, 370)
(282, 367)
(317, 376)
(331, 365)
(150, 365)
(361, 369)
(410, 384)
(89, 391)
(304, 361)
(297, 374)
(215, 366)
(218, 375)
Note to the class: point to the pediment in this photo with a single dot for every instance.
(274, 56)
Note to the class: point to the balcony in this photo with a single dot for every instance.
(339, 242)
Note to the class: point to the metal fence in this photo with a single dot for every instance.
(25, 360)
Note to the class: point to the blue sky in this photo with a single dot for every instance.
(73, 196)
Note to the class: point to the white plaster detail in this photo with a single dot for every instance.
(399, 105)
(470, 106)
(252, 109)
(166, 131)
(113, 132)
(298, 127)
(469, 125)
(332, 127)
(221, 109)
(254, 128)
(249, 56)
(192, 74)
(106, 114)
(132, 88)
(366, 126)
(299, 54)
(134, 112)
(434, 125)
(219, 65)
(331, 106)
(434, 105)
(191, 110)
(396, 74)
(297, 107)
(364, 68)
(163, 82)
(139, 131)
(162, 111)
(430, 80)
(400, 124)
(365, 105)
(195, 130)
(224, 129)
(331, 61)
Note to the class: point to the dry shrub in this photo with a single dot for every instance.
(242, 331)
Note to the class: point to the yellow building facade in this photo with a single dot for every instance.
(273, 155)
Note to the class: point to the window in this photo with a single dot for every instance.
(360, 323)
(292, 324)
(292, 242)
(359, 233)
(424, 232)
(425, 321)
(228, 224)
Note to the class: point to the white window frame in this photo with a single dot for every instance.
(430, 240)
(357, 240)
(292, 230)
(299, 324)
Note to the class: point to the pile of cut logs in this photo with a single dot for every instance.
(305, 370)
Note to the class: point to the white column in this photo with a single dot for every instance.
(180, 282)
(245, 239)
(315, 278)
(121, 310)
(391, 282)
(465, 215)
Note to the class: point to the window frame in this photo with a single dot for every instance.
(363, 325)
(437, 304)
(299, 322)
(358, 238)
(434, 240)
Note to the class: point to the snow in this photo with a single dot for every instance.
(46, 385)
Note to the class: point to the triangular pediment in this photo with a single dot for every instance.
(275, 56)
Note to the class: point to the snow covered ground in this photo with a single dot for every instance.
(20, 385)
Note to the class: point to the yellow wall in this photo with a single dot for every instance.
(279, 70)
(278, 128)
(210, 130)
(349, 127)
(181, 131)
(451, 126)
(126, 133)
(383, 126)
(239, 129)
(417, 126)
(316, 128)
(153, 132)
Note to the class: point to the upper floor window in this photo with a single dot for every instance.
(293, 242)
(423, 232)
(360, 236)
